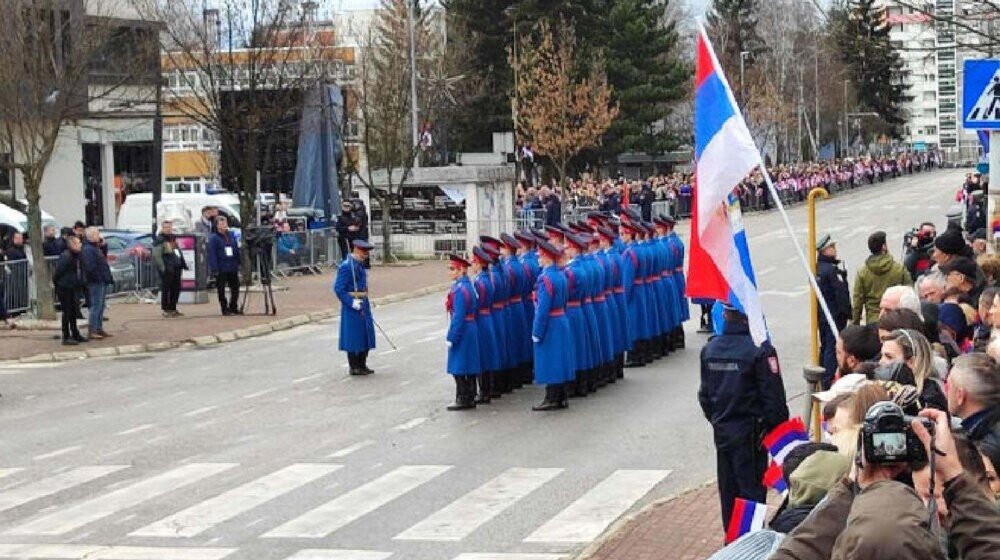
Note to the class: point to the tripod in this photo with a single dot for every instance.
(261, 255)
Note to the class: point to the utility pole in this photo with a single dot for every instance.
(802, 108)
(743, 97)
(410, 8)
(816, 93)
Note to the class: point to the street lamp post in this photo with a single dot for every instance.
(410, 7)
(743, 57)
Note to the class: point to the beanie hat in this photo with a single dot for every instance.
(950, 242)
(952, 316)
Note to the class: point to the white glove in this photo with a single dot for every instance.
(356, 304)
(447, 343)
(535, 339)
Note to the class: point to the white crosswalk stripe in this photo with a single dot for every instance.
(67, 519)
(507, 556)
(585, 519)
(10, 471)
(21, 495)
(465, 515)
(224, 507)
(357, 503)
(334, 554)
(87, 552)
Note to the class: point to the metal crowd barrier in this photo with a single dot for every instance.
(307, 252)
(15, 284)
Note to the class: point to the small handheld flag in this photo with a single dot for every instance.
(747, 517)
(774, 478)
(786, 436)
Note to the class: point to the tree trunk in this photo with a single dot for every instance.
(387, 255)
(247, 201)
(40, 268)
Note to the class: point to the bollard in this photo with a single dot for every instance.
(813, 376)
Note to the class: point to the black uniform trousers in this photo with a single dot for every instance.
(827, 352)
(232, 280)
(69, 303)
(741, 474)
(170, 292)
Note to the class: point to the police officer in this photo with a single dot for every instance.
(464, 357)
(357, 328)
(550, 330)
(831, 275)
(743, 397)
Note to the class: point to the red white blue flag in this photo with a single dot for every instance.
(784, 438)
(774, 478)
(725, 153)
(747, 517)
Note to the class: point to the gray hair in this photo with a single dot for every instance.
(908, 298)
(935, 278)
(978, 374)
(92, 233)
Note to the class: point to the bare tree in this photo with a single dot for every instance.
(242, 71)
(62, 61)
(383, 95)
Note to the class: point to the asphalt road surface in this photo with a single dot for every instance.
(267, 449)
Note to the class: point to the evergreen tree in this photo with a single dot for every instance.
(875, 66)
(646, 73)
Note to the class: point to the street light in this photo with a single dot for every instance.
(743, 57)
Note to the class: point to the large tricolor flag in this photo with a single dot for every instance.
(725, 153)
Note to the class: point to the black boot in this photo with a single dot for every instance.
(633, 357)
(363, 364)
(463, 401)
(578, 387)
(555, 399)
(494, 390)
(485, 392)
(679, 337)
(352, 361)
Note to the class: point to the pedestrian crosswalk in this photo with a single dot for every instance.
(138, 506)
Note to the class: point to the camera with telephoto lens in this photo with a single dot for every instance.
(887, 438)
(924, 239)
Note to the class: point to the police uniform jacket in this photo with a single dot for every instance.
(832, 280)
(357, 329)
(741, 391)
(463, 332)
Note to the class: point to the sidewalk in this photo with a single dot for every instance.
(685, 527)
(142, 323)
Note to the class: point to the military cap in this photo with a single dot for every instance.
(362, 244)
(478, 254)
(458, 261)
(510, 242)
(487, 240)
(550, 250)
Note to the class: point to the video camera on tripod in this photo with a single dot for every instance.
(260, 242)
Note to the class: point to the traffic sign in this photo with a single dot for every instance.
(920, 146)
(981, 95)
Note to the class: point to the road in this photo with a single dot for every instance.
(266, 449)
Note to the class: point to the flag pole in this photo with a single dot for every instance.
(798, 249)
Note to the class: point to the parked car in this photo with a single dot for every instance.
(128, 250)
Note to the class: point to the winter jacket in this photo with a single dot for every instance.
(95, 265)
(879, 273)
(974, 520)
(832, 280)
(68, 274)
(218, 259)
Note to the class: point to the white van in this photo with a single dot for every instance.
(182, 208)
(12, 219)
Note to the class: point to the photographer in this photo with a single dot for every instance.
(918, 244)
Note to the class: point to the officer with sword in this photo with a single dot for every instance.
(357, 326)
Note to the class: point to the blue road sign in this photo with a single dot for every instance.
(981, 95)
(920, 146)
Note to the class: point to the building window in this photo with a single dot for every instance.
(931, 130)
(930, 96)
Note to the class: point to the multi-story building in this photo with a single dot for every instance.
(108, 148)
(192, 150)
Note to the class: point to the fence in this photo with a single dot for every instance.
(15, 285)
(305, 251)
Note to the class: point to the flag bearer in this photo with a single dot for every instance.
(464, 359)
(357, 328)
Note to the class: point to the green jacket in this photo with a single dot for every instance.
(879, 273)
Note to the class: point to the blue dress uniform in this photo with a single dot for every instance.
(551, 333)
(488, 343)
(519, 310)
(604, 325)
(683, 307)
(586, 278)
(655, 286)
(464, 356)
(644, 320)
(357, 328)
(616, 300)
(504, 379)
(743, 397)
(634, 312)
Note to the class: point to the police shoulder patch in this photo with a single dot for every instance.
(773, 362)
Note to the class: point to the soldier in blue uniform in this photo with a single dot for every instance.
(631, 282)
(550, 331)
(602, 291)
(671, 299)
(683, 307)
(519, 313)
(505, 379)
(743, 397)
(488, 341)
(616, 300)
(583, 331)
(357, 328)
(464, 357)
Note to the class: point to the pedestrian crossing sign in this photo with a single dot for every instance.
(981, 95)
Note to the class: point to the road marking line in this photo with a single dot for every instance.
(350, 449)
(466, 514)
(409, 424)
(334, 554)
(86, 551)
(306, 378)
(508, 556)
(136, 430)
(337, 513)
(57, 453)
(209, 513)
(67, 519)
(585, 519)
(21, 495)
(201, 410)
(10, 471)
(259, 393)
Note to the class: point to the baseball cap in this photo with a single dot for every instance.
(843, 386)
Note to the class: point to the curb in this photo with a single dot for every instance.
(211, 341)
(624, 522)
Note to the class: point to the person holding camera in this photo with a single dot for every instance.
(918, 244)
(357, 327)
(224, 264)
